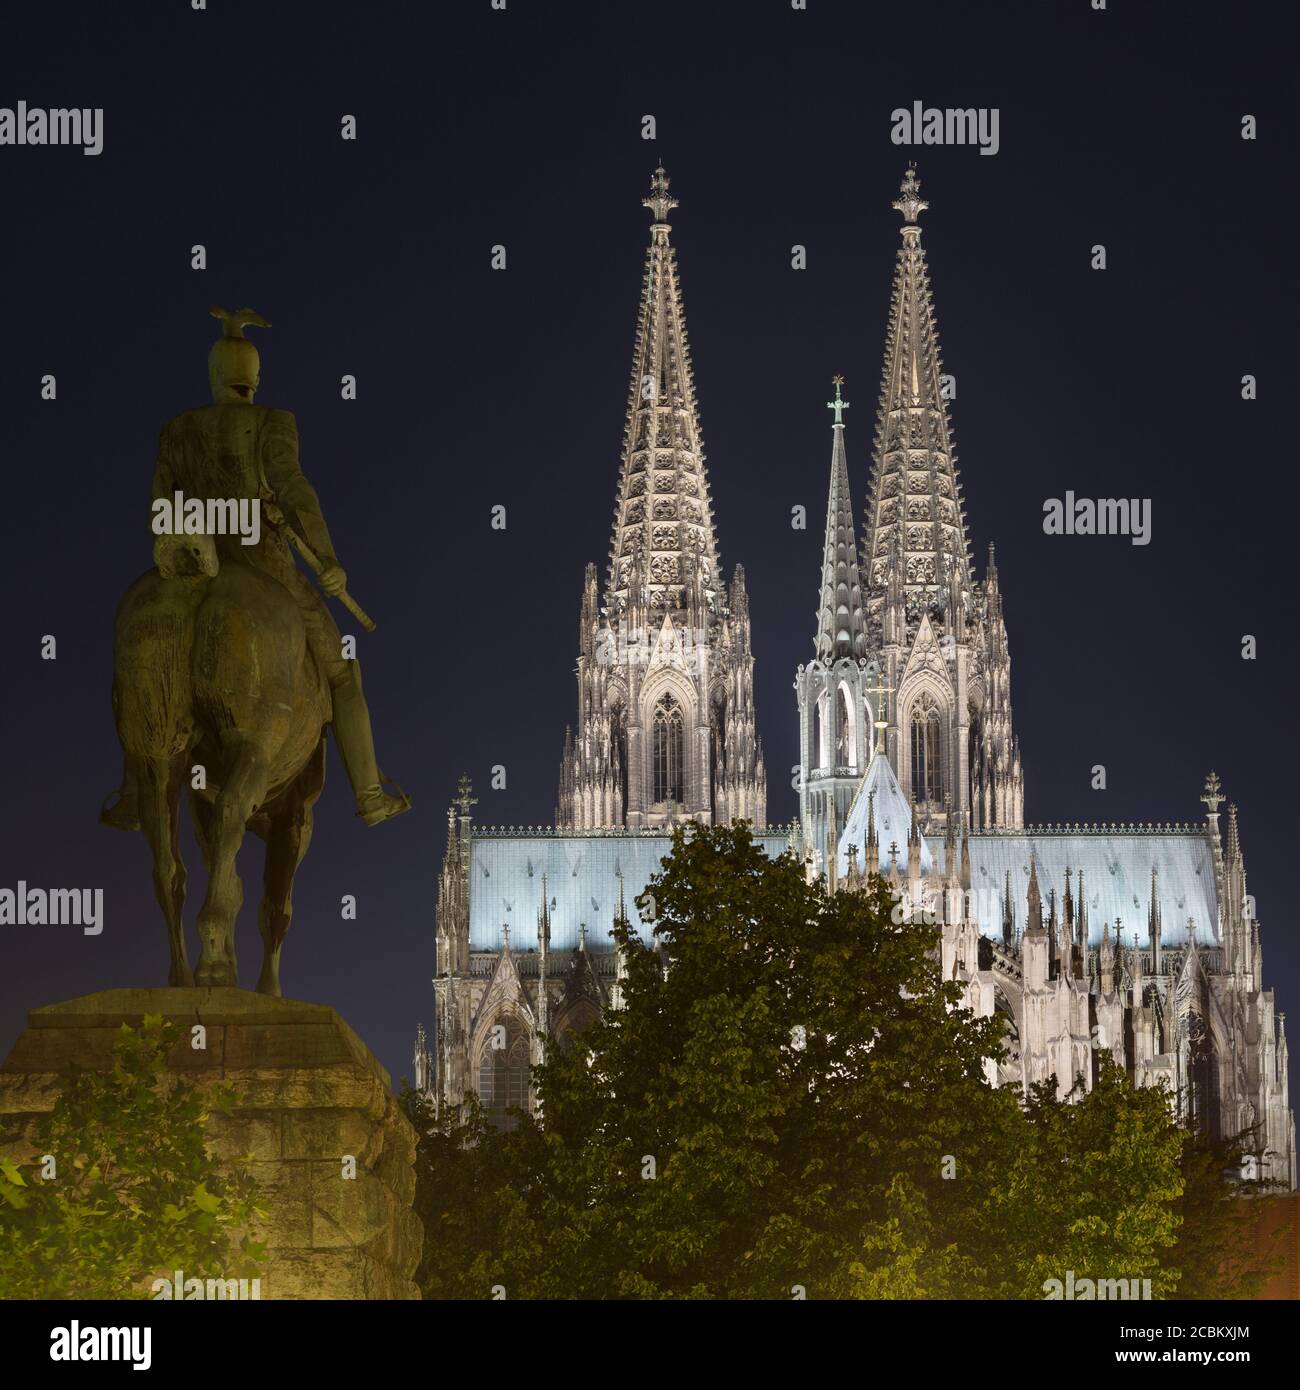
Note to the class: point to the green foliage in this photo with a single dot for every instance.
(1095, 1187)
(790, 1099)
(468, 1183)
(135, 1193)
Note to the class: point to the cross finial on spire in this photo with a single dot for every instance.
(660, 201)
(837, 405)
(881, 689)
(463, 797)
(910, 203)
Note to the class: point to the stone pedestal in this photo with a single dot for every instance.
(309, 1094)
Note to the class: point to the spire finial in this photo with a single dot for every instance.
(881, 689)
(660, 201)
(1213, 797)
(910, 203)
(837, 405)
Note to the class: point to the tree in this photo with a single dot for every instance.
(1096, 1186)
(736, 1126)
(470, 1186)
(134, 1192)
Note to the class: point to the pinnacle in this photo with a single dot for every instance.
(841, 627)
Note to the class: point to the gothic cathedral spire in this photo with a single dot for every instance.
(835, 716)
(665, 673)
(939, 632)
(915, 496)
(663, 510)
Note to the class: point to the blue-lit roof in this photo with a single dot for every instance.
(582, 879)
(1116, 868)
(880, 793)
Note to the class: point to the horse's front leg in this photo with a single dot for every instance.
(241, 792)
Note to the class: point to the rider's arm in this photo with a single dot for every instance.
(296, 496)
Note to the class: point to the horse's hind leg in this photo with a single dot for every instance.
(241, 792)
(159, 786)
(287, 842)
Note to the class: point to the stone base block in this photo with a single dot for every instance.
(310, 1097)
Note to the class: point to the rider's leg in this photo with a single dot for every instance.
(351, 716)
(356, 745)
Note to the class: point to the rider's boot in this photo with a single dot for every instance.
(356, 744)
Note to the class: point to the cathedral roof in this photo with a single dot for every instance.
(583, 875)
(881, 796)
(1118, 882)
(915, 516)
(663, 520)
(841, 629)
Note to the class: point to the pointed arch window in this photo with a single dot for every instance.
(504, 1075)
(927, 749)
(717, 747)
(822, 730)
(618, 748)
(582, 1015)
(667, 750)
(846, 730)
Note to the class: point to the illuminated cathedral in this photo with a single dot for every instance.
(1137, 939)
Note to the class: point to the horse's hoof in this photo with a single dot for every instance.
(269, 986)
(181, 979)
(215, 976)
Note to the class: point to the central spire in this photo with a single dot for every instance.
(841, 630)
(663, 535)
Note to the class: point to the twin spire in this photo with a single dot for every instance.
(915, 520)
(663, 539)
(915, 531)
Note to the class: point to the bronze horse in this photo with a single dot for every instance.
(214, 687)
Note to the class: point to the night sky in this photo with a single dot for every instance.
(478, 387)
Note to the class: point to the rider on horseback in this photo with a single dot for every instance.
(234, 449)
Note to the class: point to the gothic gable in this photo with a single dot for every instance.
(505, 994)
(926, 658)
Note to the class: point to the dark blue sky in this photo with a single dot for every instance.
(479, 388)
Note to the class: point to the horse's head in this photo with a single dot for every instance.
(185, 557)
